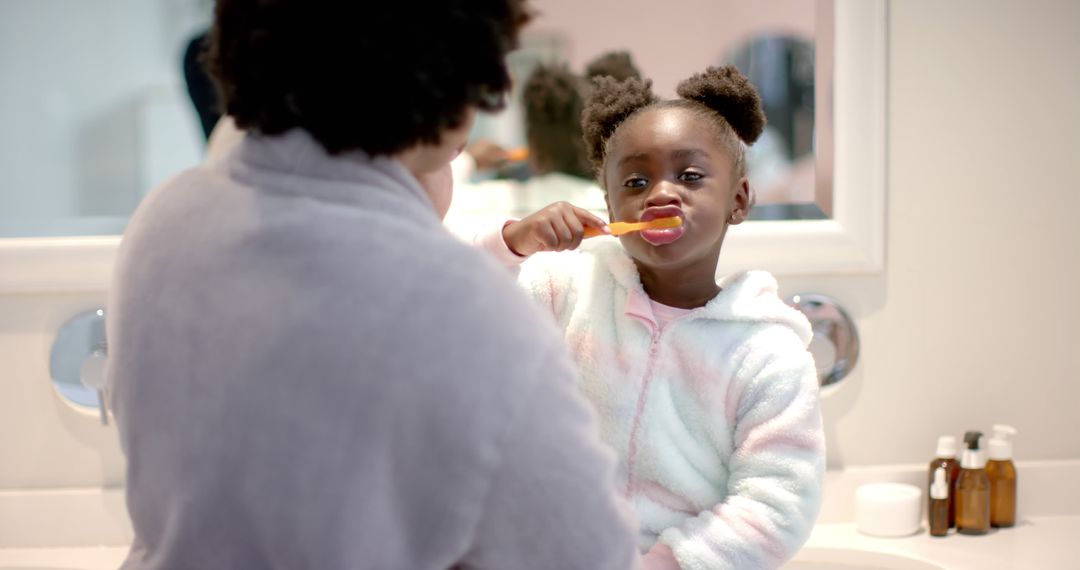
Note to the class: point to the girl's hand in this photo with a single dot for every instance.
(557, 227)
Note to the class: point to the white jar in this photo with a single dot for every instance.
(888, 509)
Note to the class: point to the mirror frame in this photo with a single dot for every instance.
(853, 241)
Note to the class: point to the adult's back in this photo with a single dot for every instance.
(311, 373)
(307, 370)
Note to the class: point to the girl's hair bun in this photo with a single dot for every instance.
(609, 103)
(729, 93)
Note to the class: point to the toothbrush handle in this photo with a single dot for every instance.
(617, 228)
(591, 232)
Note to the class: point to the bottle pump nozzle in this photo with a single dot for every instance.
(1001, 443)
(1002, 431)
(970, 459)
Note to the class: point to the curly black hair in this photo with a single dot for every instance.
(375, 76)
(723, 96)
(617, 64)
(553, 104)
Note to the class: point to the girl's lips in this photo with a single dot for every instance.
(662, 212)
(662, 237)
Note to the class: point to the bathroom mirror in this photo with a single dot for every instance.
(94, 108)
(93, 125)
(96, 114)
(835, 344)
(842, 229)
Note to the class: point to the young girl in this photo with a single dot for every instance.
(704, 388)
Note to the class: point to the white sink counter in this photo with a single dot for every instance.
(72, 558)
(1044, 543)
(87, 529)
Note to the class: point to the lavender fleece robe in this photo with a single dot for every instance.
(308, 371)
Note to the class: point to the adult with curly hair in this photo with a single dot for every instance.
(705, 387)
(307, 370)
(553, 99)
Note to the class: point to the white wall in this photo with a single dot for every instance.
(44, 442)
(973, 322)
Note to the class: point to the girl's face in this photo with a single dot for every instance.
(668, 162)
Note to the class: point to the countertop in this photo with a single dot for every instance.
(1044, 543)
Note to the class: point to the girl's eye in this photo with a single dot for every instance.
(635, 182)
(691, 176)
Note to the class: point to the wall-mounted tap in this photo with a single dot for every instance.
(77, 362)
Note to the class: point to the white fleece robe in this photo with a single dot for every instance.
(715, 418)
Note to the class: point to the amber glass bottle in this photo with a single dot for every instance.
(937, 513)
(1002, 474)
(972, 490)
(946, 457)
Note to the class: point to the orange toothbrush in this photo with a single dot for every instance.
(620, 228)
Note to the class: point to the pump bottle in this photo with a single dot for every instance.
(1002, 474)
(946, 457)
(972, 490)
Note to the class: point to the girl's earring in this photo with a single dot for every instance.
(735, 217)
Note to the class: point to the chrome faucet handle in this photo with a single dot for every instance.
(77, 363)
(92, 375)
(835, 345)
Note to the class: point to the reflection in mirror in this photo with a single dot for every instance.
(96, 111)
(835, 344)
(783, 46)
(781, 162)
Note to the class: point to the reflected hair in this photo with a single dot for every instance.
(553, 104)
(617, 64)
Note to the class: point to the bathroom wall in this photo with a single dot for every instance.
(973, 322)
(44, 442)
